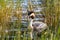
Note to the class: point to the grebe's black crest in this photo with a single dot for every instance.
(30, 12)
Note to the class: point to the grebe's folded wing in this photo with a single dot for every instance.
(40, 26)
(36, 24)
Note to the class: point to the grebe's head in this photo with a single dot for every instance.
(31, 14)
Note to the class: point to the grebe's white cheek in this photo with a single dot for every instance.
(32, 14)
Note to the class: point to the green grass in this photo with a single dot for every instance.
(48, 35)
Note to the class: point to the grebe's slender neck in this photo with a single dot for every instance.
(31, 22)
